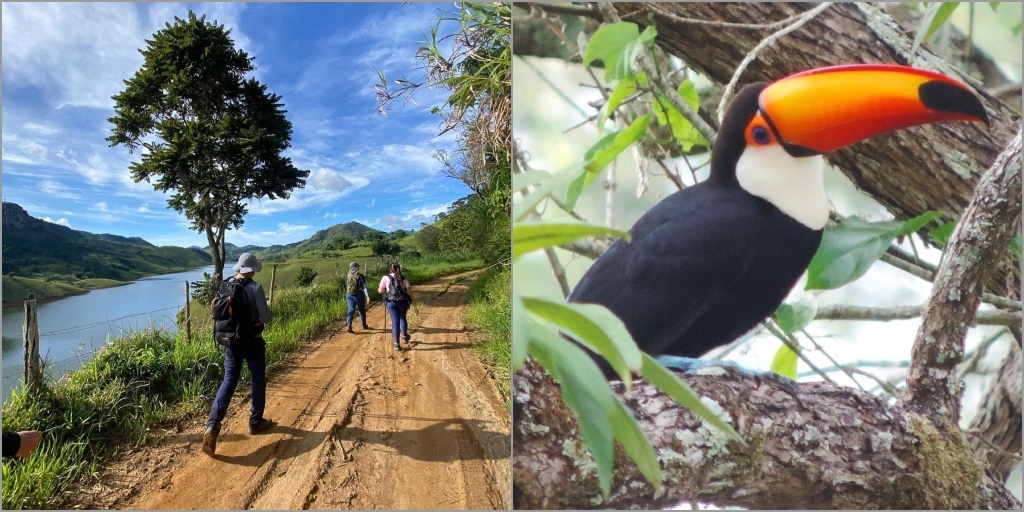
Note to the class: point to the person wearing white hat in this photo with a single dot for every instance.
(253, 352)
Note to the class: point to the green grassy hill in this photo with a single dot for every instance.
(47, 260)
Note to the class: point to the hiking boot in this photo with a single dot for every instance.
(398, 347)
(406, 337)
(210, 439)
(260, 427)
(366, 327)
(350, 330)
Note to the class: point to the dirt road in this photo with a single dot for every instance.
(359, 426)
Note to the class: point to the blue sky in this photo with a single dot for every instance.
(63, 61)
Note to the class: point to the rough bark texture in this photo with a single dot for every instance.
(932, 167)
(980, 239)
(996, 430)
(828, 447)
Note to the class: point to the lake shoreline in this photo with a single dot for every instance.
(51, 298)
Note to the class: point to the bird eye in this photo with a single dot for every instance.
(761, 135)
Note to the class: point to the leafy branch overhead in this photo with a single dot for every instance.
(208, 134)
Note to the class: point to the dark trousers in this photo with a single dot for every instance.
(398, 310)
(255, 357)
(356, 302)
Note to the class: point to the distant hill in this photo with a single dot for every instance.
(319, 241)
(231, 251)
(35, 248)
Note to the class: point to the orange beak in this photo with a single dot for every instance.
(822, 110)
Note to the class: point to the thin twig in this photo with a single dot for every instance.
(766, 42)
(979, 435)
(559, 270)
(586, 12)
(656, 7)
(885, 314)
(831, 359)
(794, 345)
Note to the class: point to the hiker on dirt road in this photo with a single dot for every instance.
(252, 350)
(356, 295)
(395, 288)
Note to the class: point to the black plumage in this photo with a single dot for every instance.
(707, 263)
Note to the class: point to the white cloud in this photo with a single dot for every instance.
(101, 206)
(327, 179)
(56, 189)
(40, 129)
(61, 221)
(285, 233)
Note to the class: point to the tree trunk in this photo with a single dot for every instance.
(827, 447)
(217, 253)
(995, 433)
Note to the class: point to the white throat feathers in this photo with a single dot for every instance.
(794, 185)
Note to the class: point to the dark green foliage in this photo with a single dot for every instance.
(427, 239)
(325, 239)
(203, 291)
(306, 276)
(218, 135)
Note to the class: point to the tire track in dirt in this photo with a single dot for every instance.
(358, 426)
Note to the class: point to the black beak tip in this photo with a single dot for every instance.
(946, 97)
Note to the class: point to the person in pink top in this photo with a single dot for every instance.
(397, 296)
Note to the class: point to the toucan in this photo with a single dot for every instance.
(711, 261)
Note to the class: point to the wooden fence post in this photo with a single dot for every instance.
(188, 316)
(30, 332)
(337, 271)
(273, 276)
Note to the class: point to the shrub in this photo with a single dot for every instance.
(306, 276)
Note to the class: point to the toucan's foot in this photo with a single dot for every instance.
(692, 366)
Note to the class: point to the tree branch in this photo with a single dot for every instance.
(997, 438)
(844, 312)
(828, 447)
(981, 237)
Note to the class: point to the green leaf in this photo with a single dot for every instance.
(576, 189)
(670, 384)
(633, 440)
(530, 236)
(913, 225)
(934, 17)
(592, 404)
(688, 91)
(613, 44)
(527, 178)
(520, 340)
(1015, 246)
(848, 250)
(623, 89)
(941, 234)
(784, 362)
(793, 317)
(526, 205)
(600, 158)
(685, 134)
(595, 326)
(994, 6)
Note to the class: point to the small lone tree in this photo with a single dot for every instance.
(306, 276)
(210, 135)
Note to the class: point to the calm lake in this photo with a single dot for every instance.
(71, 330)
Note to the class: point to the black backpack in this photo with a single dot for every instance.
(395, 292)
(235, 321)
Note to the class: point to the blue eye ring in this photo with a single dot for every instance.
(760, 135)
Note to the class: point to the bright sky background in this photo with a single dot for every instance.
(63, 61)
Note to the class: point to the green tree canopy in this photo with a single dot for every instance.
(209, 134)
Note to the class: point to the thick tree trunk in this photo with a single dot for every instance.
(995, 433)
(828, 447)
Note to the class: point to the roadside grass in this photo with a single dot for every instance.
(151, 378)
(490, 311)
